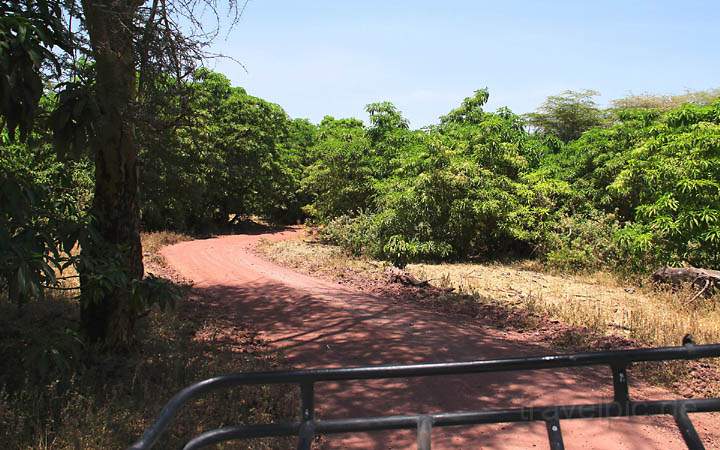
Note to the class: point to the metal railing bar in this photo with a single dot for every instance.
(554, 434)
(618, 357)
(424, 432)
(242, 432)
(530, 414)
(621, 357)
(621, 390)
(307, 434)
(307, 413)
(689, 434)
(171, 408)
(307, 401)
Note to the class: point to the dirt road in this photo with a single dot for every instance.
(317, 323)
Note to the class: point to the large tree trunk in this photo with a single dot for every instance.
(107, 311)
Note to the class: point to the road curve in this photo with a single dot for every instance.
(318, 323)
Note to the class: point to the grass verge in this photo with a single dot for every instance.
(597, 302)
(55, 392)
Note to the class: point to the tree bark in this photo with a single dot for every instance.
(107, 312)
(685, 275)
(707, 281)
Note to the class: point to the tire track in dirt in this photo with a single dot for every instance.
(318, 323)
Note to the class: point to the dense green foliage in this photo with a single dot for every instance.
(43, 202)
(453, 190)
(233, 154)
(214, 154)
(640, 190)
(660, 174)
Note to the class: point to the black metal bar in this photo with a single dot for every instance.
(242, 432)
(424, 432)
(689, 434)
(307, 414)
(620, 384)
(307, 401)
(307, 434)
(613, 358)
(409, 422)
(621, 391)
(554, 434)
(481, 366)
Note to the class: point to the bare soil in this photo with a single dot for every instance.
(320, 323)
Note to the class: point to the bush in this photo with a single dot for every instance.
(448, 192)
(587, 242)
(340, 181)
(235, 154)
(659, 174)
(358, 234)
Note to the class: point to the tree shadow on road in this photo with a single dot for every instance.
(338, 327)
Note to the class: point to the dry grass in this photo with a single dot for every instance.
(322, 259)
(600, 305)
(152, 243)
(598, 302)
(56, 392)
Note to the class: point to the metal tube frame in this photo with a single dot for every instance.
(308, 427)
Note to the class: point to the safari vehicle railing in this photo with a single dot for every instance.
(308, 426)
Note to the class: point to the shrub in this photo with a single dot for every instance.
(358, 234)
(451, 191)
(582, 242)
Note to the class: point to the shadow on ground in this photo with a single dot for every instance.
(335, 327)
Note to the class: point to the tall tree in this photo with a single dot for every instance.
(567, 115)
(119, 40)
(107, 310)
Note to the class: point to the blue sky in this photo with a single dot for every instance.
(319, 57)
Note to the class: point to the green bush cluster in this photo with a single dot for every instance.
(580, 242)
(659, 175)
(638, 190)
(453, 190)
(208, 155)
(232, 154)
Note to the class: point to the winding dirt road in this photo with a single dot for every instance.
(318, 323)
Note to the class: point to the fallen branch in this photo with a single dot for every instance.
(396, 275)
(707, 281)
(700, 292)
(400, 276)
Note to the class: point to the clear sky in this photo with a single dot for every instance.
(320, 57)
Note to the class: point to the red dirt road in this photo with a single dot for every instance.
(318, 323)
